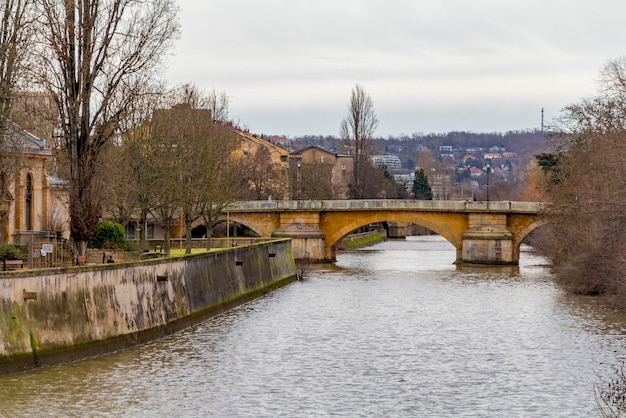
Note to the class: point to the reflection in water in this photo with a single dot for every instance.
(392, 330)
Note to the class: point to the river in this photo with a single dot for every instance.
(394, 330)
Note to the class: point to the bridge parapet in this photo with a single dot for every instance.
(389, 204)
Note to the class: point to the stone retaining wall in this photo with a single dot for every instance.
(56, 315)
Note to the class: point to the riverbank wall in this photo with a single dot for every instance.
(56, 315)
(363, 239)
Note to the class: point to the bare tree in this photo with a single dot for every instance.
(189, 126)
(218, 105)
(357, 131)
(587, 191)
(95, 56)
(263, 176)
(129, 185)
(427, 162)
(375, 184)
(314, 182)
(166, 151)
(613, 77)
(191, 163)
(222, 176)
(210, 174)
(16, 30)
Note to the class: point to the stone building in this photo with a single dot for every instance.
(33, 203)
(341, 168)
(251, 144)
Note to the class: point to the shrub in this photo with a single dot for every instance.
(13, 252)
(108, 235)
(131, 246)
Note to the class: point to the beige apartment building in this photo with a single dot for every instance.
(339, 168)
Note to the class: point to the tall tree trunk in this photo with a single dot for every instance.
(84, 208)
(168, 245)
(209, 235)
(143, 232)
(188, 241)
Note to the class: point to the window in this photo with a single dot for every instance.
(130, 230)
(28, 197)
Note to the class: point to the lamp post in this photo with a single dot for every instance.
(488, 171)
(299, 183)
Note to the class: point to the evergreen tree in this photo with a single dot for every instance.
(399, 188)
(421, 187)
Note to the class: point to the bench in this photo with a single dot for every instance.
(13, 264)
(148, 255)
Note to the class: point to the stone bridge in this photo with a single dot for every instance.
(482, 232)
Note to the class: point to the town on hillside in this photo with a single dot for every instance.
(458, 165)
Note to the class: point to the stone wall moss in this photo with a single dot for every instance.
(34, 349)
(85, 311)
(14, 328)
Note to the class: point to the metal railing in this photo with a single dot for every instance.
(47, 254)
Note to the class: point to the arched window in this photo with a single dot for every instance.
(29, 202)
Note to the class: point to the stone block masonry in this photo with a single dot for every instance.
(57, 315)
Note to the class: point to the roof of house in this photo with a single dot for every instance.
(245, 134)
(320, 149)
(25, 141)
(317, 147)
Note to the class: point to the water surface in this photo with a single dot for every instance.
(391, 330)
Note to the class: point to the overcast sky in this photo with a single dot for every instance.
(288, 66)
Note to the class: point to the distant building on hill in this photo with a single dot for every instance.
(392, 162)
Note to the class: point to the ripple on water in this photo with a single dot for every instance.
(395, 330)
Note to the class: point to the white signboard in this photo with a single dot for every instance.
(46, 249)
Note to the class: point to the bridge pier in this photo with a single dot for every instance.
(307, 242)
(396, 230)
(488, 241)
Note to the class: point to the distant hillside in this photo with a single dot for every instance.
(407, 148)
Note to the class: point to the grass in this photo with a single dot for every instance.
(177, 252)
(362, 241)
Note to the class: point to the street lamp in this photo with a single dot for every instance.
(488, 171)
(299, 183)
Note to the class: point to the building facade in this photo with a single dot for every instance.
(33, 204)
(341, 167)
(277, 164)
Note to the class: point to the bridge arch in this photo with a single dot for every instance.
(263, 226)
(526, 230)
(336, 225)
